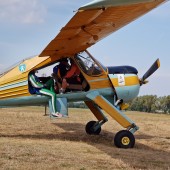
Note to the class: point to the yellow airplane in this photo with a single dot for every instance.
(101, 88)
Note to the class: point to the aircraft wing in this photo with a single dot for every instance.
(95, 21)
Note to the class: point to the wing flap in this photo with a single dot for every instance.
(90, 26)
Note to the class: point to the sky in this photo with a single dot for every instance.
(26, 27)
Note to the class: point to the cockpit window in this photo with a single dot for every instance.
(87, 64)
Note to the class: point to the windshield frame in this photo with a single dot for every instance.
(100, 68)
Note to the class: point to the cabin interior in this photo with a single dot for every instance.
(87, 67)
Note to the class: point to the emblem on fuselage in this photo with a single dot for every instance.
(121, 79)
(22, 67)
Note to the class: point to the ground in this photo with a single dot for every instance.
(29, 140)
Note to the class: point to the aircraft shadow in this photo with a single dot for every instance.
(103, 142)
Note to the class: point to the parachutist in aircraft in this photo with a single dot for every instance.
(101, 88)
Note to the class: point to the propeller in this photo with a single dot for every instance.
(151, 70)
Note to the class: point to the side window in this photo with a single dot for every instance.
(87, 64)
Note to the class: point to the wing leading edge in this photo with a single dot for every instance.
(94, 22)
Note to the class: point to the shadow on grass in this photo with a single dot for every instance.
(103, 142)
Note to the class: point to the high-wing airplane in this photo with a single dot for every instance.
(102, 88)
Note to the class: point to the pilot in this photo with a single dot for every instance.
(72, 76)
(45, 89)
(59, 71)
(62, 68)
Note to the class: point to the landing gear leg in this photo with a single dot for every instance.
(94, 127)
(125, 138)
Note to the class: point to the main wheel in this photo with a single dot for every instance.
(90, 128)
(124, 139)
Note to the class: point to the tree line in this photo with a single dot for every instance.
(147, 103)
(151, 104)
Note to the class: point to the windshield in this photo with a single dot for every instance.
(87, 64)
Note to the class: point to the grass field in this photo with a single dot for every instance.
(29, 140)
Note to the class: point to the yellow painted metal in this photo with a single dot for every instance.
(11, 83)
(99, 77)
(94, 110)
(100, 83)
(13, 90)
(124, 106)
(125, 141)
(15, 74)
(129, 81)
(158, 63)
(20, 93)
(12, 80)
(112, 112)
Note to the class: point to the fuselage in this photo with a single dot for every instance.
(121, 82)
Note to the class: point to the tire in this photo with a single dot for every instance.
(124, 139)
(90, 128)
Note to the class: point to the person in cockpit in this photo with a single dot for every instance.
(46, 89)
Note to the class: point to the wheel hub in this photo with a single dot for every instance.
(125, 141)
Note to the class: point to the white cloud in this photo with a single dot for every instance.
(22, 11)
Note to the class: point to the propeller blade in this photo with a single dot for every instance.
(151, 70)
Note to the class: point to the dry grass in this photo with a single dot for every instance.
(29, 140)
